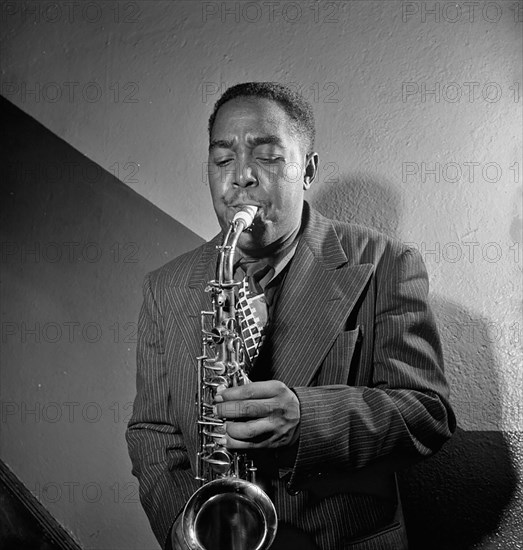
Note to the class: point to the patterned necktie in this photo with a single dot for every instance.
(252, 305)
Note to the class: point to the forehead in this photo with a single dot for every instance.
(251, 115)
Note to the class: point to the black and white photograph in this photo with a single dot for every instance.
(261, 275)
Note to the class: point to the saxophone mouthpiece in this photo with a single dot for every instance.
(245, 216)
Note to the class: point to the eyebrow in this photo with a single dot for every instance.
(261, 140)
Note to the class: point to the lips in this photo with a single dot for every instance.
(236, 207)
(239, 206)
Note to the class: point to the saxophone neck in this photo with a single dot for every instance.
(241, 221)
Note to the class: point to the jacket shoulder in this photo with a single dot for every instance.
(178, 271)
(365, 244)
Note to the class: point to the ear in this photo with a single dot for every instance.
(311, 169)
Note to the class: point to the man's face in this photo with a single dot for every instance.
(254, 158)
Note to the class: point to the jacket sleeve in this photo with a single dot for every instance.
(156, 447)
(403, 414)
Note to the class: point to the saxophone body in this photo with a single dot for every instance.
(229, 510)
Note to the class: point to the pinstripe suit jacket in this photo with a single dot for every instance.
(353, 336)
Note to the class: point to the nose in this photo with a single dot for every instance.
(245, 175)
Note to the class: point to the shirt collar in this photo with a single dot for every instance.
(278, 260)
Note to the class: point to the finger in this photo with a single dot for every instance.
(240, 445)
(249, 408)
(249, 431)
(254, 390)
(249, 435)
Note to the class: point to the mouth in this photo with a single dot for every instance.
(237, 207)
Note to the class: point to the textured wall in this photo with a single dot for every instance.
(419, 133)
(76, 244)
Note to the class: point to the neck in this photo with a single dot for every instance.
(274, 249)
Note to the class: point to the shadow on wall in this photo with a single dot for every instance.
(456, 499)
(75, 246)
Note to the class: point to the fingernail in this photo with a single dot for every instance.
(222, 441)
(218, 399)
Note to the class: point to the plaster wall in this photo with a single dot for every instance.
(76, 245)
(419, 125)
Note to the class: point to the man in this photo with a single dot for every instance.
(348, 383)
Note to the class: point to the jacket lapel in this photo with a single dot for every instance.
(194, 299)
(320, 290)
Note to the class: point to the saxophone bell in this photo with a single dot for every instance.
(229, 513)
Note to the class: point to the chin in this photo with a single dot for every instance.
(246, 241)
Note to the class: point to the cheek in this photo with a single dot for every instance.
(271, 173)
(293, 173)
(220, 181)
(216, 186)
(214, 195)
(285, 194)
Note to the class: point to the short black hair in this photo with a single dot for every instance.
(297, 108)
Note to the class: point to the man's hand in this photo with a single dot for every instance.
(262, 415)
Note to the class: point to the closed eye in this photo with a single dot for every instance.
(269, 160)
(223, 162)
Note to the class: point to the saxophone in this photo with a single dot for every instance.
(229, 510)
